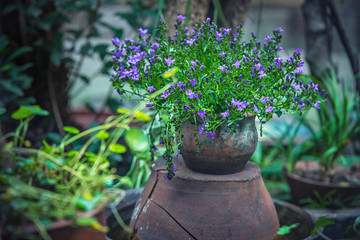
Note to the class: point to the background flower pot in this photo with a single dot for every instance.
(227, 153)
(303, 188)
(65, 229)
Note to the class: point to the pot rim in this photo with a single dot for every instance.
(314, 182)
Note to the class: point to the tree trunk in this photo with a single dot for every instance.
(234, 11)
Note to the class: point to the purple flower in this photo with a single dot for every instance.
(279, 48)
(237, 64)
(302, 105)
(315, 87)
(201, 113)
(301, 63)
(267, 38)
(280, 30)
(278, 62)
(190, 94)
(149, 104)
(296, 87)
(255, 108)
(116, 41)
(152, 52)
(155, 45)
(169, 61)
(298, 51)
(151, 89)
(181, 18)
(193, 63)
(190, 42)
(142, 32)
(225, 114)
(186, 107)
(317, 105)
(193, 82)
(208, 20)
(298, 71)
(173, 169)
(210, 134)
(119, 91)
(262, 74)
(222, 68)
(223, 54)
(264, 99)
(201, 129)
(202, 67)
(227, 30)
(269, 109)
(218, 36)
(180, 84)
(242, 106)
(165, 94)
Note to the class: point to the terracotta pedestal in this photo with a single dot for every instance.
(203, 206)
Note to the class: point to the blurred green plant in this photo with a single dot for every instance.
(338, 123)
(37, 184)
(13, 80)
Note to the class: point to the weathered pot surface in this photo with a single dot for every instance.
(227, 153)
(205, 206)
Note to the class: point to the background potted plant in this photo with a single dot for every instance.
(216, 80)
(45, 190)
(337, 124)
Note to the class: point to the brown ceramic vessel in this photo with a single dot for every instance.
(227, 153)
(205, 206)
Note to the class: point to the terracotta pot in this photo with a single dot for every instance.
(205, 206)
(227, 153)
(302, 188)
(288, 214)
(64, 229)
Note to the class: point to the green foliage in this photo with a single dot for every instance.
(338, 122)
(319, 225)
(283, 230)
(55, 181)
(13, 80)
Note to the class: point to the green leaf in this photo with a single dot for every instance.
(37, 110)
(137, 140)
(286, 229)
(71, 130)
(85, 221)
(21, 113)
(102, 135)
(320, 223)
(19, 52)
(19, 203)
(50, 164)
(2, 111)
(117, 148)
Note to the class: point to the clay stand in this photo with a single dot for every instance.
(203, 206)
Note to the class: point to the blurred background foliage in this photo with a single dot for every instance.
(45, 46)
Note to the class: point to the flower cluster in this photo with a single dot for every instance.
(219, 78)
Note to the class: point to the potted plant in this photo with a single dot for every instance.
(337, 124)
(216, 81)
(47, 190)
(218, 85)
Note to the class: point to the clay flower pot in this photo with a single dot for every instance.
(226, 153)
